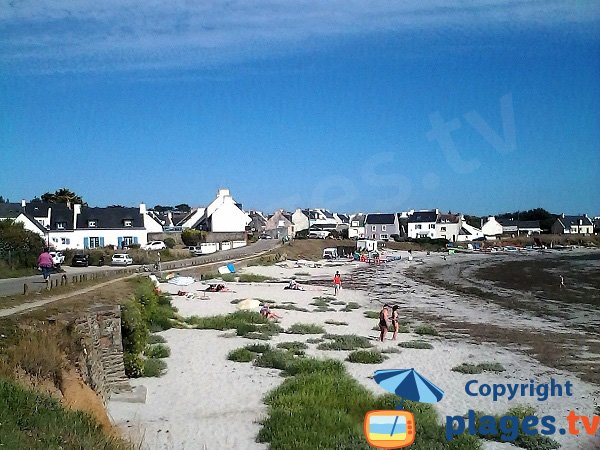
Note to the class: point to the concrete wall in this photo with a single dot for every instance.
(223, 237)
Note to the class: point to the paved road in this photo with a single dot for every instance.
(13, 286)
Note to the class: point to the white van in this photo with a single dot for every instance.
(330, 253)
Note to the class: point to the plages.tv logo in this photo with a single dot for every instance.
(389, 429)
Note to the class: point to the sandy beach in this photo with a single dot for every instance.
(205, 401)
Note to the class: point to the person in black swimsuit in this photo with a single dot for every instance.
(383, 322)
(395, 322)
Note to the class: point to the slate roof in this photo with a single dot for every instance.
(313, 214)
(61, 214)
(344, 218)
(568, 221)
(380, 219)
(519, 223)
(38, 209)
(10, 210)
(422, 216)
(327, 213)
(360, 218)
(110, 217)
(448, 218)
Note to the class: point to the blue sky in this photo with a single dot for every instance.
(479, 107)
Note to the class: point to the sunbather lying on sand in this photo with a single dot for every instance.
(216, 288)
(294, 286)
(265, 311)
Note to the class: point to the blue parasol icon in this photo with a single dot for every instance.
(408, 384)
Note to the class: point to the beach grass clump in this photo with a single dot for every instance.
(402, 328)
(320, 302)
(335, 322)
(522, 440)
(423, 345)
(157, 351)
(291, 307)
(253, 278)
(36, 421)
(366, 357)
(209, 275)
(426, 329)
(473, 369)
(350, 307)
(338, 302)
(371, 314)
(226, 321)
(293, 345)
(305, 328)
(229, 277)
(302, 274)
(257, 336)
(257, 348)
(156, 339)
(344, 342)
(274, 359)
(320, 406)
(154, 367)
(314, 340)
(241, 355)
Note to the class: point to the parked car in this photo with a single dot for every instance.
(57, 258)
(154, 245)
(80, 261)
(265, 236)
(121, 259)
(195, 250)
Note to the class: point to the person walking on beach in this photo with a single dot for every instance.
(45, 262)
(383, 322)
(337, 282)
(395, 322)
(562, 282)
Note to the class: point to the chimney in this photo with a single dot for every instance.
(143, 208)
(76, 212)
(223, 193)
(562, 216)
(69, 204)
(23, 203)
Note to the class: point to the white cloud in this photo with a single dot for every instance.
(78, 35)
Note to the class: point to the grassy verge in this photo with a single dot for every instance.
(35, 421)
(7, 272)
(320, 406)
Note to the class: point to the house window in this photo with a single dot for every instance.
(91, 224)
(61, 225)
(127, 223)
(432, 226)
(128, 240)
(443, 229)
(94, 242)
(382, 227)
(65, 241)
(373, 228)
(383, 237)
(355, 223)
(418, 226)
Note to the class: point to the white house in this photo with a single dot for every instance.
(573, 225)
(316, 219)
(492, 227)
(357, 226)
(223, 215)
(422, 224)
(447, 226)
(192, 218)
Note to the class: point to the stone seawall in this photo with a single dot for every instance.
(101, 360)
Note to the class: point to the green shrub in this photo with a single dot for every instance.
(293, 346)
(258, 348)
(314, 340)
(253, 278)
(415, 344)
(305, 328)
(312, 365)
(274, 359)
(344, 342)
(154, 367)
(241, 355)
(366, 357)
(391, 350)
(170, 242)
(371, 314)
(256, 335)
(156, 339)
(134, 364)
(229, 277)
(134, 330)
(191, 237)
(426, 330)
(351, 306)
(226, 322)
(292, 308)
(157, 351)
(335, 322)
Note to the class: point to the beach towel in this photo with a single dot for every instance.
(154, 280)
(229, 268)
(181, 281)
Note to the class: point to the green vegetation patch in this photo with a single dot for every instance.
(391, 350)
(314, 340)
(479, 368)
(292, 308)
(157, 351)
(29, 420)
(293, 345)
(366, 357)
(154, 367)
(426, 329)
(371, 314)
(416, 344)
(258, 348)
(241, 355)
(350, 307)
(320, 406)
(344, 342)
(305, 328)
(253, 278)
(156, 339)
(335, 322)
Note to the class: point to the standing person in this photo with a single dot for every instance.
(562, 282)
(383, 322)
(395, 322)
(337, 282)
(45, 262)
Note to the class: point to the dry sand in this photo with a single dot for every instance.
(206, 401)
